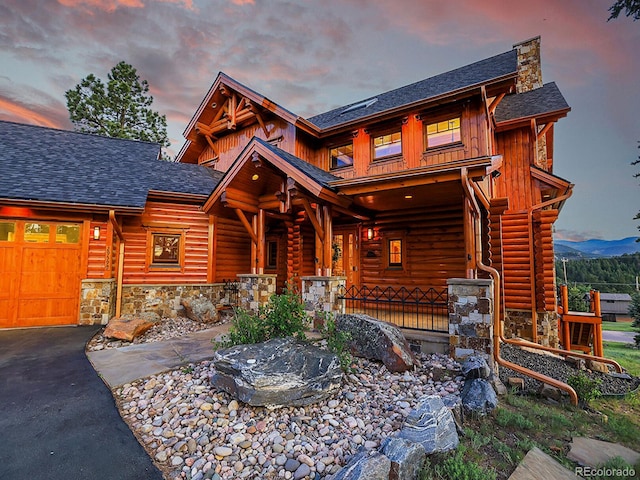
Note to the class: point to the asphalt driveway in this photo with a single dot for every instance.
(58, 420)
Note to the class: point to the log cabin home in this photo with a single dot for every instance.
(384, 200)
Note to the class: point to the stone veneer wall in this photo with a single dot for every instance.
(97, 301)
(519, 324)
(471, 316)
(255, 290)
(529, 65)
(320, 294)
(165, 299)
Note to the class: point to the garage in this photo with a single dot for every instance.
(40, 272)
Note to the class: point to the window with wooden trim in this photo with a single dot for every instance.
(165, 249)
(394, 252)
(341, 156)
(443, 132)
(7, 231)
(272, 254)
(387, 145)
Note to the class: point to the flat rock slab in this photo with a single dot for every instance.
(537, 465)
(276, 373)
(591, 452)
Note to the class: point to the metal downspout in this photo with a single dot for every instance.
(118, 230)
(497, 330)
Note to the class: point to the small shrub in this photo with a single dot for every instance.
(283, 316)
(586, 388)
(337, 340)
(506, 418)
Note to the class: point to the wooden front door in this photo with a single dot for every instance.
(40, 273)
(346, 254)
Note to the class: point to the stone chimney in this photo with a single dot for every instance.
(529, 67)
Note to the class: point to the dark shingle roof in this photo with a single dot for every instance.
(449, 82)
(317, 174)
(545, 99)
(49, 165)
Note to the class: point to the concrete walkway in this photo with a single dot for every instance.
(118, 366)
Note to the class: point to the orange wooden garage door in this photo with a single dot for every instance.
(40, 276)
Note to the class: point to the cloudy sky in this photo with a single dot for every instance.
(314, 55)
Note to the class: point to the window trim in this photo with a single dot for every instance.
(435, 119)
(382, 133)
(267, 264)
(159, 266)
(389, 237)
(339, 145)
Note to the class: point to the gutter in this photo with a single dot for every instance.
(118, 230)
(497, 330)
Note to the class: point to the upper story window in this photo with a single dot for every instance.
(443, 133)
(341, 156)
(387, 145)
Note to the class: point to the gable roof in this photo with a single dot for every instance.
(468, 77)
(41, 164)
(542, 101)
(320, 176)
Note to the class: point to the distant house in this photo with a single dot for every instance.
(434, 180)
(615, 306)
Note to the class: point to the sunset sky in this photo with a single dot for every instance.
(311, 56)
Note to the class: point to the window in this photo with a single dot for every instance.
(68, 234)
(7, 231)
(387, 145)
(395, 252)
(166, 249)
(443, 133)
(272, 254)
(341, 156)
(36, 232)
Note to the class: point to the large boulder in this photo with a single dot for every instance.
(406, 458)
(475, 366)
(278, 372)
(377, 340)
(127, 327)
(200, 309)
(431, 424)
(365, 465)
(478, 396)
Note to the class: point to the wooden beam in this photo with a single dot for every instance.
(328, 240)
(263, 126)
(495, 102)
(232, 203)
(260, 233)
(231, 123)
(254, 245)
(312, 216)
(544, 130)
(248, 227)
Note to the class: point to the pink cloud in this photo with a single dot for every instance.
(14, 112)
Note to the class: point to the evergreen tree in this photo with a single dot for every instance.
(121, 108)
(631, 8)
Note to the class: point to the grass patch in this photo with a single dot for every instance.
(495, 444)
(625, 355)
(618, 326)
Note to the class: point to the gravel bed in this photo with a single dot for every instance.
(559, 369)
(166, 329)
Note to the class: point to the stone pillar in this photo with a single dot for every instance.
(529, 65)
(255, 290)
(97, 301)
(320, 294)
(471, 317)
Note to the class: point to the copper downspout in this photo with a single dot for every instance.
(118, 230)
(525, 343)
(497, 332)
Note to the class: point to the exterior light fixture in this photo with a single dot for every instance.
(369, 233)
(255, 177)
(96, 233)
(408, 197)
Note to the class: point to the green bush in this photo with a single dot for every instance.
(337, 340)
(454, 466)
(283, 316)
(586, 388)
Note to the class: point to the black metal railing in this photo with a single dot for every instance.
(231, 289)
(414, 309)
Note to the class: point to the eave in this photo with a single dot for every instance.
(177, 196)
(541, 119)
(71, 207)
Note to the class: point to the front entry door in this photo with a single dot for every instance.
(346, 254)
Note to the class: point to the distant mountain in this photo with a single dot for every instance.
(596, 248)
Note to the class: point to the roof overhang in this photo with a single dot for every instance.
(70, 207)
(540, 119)
(552, 187)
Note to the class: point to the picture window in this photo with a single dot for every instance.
(341, 156)
(387, 145)
(443, 133)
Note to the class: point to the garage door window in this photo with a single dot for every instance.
(67, 234)
(36, 232)
(7, 231)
